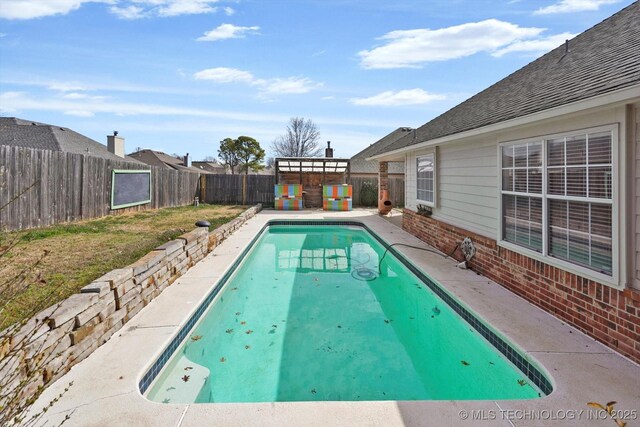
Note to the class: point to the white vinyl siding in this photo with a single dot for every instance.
(635, 279)
(466, 183)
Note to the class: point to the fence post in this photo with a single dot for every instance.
(244, 189)
(203, 188)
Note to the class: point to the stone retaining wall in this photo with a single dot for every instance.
(50, 343)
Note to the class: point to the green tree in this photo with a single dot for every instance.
(229, 153)
(250, 154)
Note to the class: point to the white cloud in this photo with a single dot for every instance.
(128, 12)
(12, 102)
(274, 86)
(29, 9)
(75, 95)
(535, 46)
(64, 86)
(124, 9)
(184, 7)
(401, 97)
(224, 75)
(228, 11)
(568, 6)
(411, 48)
(79, 113)
(289, 85)
(227, 31)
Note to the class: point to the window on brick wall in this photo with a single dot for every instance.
(557, 198)
(522, 195)
(425, 176)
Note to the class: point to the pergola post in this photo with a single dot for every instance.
(383, 178)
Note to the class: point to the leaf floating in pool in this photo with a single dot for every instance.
(167, 400)
(222, 359)
(313, 391)
(339, 326)
(238, 313)
(229, 331)
(171, 388)
(249, 332)
(196, 337)
(436, 310)
(491, 363)
(185, 378)
(247, 347)
(234, 289)
(522, 382)
(274, 326)
(315, 279)
(387, 321)
(243, 323)
(465, 363)
(272, 331)
(188, 368)
(411, 317)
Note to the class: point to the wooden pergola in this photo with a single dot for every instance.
(312, 173)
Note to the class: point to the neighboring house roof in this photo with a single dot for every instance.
(360, 164)
(268, 170)
(24, 133)
(215, 168)
(603, 59)
(163, 160)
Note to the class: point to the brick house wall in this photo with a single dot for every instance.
(609, 315)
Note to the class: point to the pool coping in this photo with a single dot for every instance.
(529, 368)
(582, 369)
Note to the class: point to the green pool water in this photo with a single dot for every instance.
(307, 317)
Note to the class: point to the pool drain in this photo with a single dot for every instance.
(365, 274)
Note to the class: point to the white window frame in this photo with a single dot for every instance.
(614, 279)
(431, 154)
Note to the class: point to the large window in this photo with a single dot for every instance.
(557, 198)
(522, 195)
(425, 178)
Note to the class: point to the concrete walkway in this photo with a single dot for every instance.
(105, 385)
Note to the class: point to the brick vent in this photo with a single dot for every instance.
(609, 315)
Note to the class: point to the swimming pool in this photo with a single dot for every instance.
(310, 313)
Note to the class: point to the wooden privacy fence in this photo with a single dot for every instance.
(229, 189)
(259, 189)
(41, 187)
(396, 189)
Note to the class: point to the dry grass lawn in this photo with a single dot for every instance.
(43, 266)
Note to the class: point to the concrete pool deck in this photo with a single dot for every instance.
(105, 385)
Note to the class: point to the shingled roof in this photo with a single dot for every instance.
(602, 59)
(24, 133)
(360, 164)
(163, 160)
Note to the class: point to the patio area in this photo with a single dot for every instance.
(105, 385)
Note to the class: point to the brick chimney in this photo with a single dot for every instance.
(115, 144)
(328, 152)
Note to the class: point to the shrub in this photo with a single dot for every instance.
(369, 194)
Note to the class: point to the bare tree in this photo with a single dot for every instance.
(301, 140)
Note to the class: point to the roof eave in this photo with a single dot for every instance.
(629, 94)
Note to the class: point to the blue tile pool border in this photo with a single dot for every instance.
(508, 351)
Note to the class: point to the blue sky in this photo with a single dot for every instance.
(180, 75)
